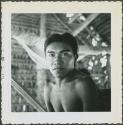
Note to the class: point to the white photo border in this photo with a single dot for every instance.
(115, 8)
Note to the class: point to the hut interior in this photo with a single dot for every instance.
(29, 71)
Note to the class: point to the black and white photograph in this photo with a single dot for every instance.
(77, 48)
(61, 62)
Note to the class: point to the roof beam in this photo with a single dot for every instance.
(39, 45)
(43, 27)
(82, 26)
(65, 25)
(86, 50)
(74, 17)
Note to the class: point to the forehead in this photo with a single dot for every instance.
(58, 46)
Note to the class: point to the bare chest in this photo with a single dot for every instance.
(65, 98)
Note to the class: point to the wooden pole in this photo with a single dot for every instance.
(43, 27)
(82, 26)
(26, 95)
(75, 16)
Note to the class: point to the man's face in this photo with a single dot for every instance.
(60, 59)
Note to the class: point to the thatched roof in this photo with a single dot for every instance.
(86, 27)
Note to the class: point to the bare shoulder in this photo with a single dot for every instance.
(80, 81)
(47, 97)
(87, 91)
(47, 88)
(84, 80)
(50, 79)
(84, 83)
(80, 78)
(47, 91)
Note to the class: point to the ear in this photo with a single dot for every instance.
(76, 56)
(75, 63)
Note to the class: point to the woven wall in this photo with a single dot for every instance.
(24, 73)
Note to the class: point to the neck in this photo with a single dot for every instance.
(58, 81)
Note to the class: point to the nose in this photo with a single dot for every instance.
(58, 57)
(56, 64)
(57, 60)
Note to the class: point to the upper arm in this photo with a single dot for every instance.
(47, 99)
(86, 90)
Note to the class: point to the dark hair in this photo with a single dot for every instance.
(66, 38)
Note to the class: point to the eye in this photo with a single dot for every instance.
(64, 54)
(51, 54)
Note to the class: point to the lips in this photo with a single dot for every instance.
(58, 68)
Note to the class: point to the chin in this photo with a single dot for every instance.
(60, 74)
(57, 76)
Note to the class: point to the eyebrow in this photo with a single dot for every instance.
(66, 50)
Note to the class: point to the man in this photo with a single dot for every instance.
(70, 90)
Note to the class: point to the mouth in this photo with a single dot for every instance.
(58, 68)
